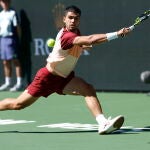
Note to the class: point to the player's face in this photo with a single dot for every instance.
(71, 21)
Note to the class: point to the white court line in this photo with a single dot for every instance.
(12, 121)
(73, 126)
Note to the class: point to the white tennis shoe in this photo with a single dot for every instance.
(4, 87)
(16, 88)
(111, 125)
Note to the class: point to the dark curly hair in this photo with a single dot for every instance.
(72, 8)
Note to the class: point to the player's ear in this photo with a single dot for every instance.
(64, 19)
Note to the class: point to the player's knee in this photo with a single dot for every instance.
(89, 89)
(18, 106)
(12, 104)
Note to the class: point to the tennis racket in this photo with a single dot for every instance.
(140, 19)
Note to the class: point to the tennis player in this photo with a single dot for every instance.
(58, 75)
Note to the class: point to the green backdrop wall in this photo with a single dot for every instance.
(111, 66)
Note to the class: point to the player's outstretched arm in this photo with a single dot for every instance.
(100, 38)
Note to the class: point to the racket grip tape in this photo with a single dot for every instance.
(131, 27)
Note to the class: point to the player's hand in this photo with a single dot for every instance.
(123, 32)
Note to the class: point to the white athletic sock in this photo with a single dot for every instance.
(100, 118)
(7, 80)
(19, 81)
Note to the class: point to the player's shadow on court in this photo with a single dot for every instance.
(131, 130)
(121, 131)
(49, 132)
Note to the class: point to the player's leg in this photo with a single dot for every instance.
(24, 100)
(78, 86)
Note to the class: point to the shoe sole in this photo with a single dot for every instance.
(119, 123)
(116, 126)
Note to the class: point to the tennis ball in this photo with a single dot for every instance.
(50, 42)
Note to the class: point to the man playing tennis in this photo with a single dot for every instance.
(58, 75)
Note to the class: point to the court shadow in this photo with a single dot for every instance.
(123, 130)
(132, 130)
(48, 132)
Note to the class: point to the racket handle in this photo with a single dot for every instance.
(131, 27)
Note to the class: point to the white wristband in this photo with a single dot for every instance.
(111, 36)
